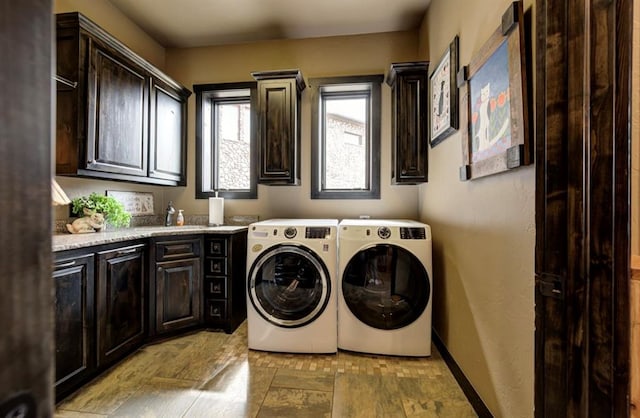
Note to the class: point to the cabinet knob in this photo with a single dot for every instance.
(90, 162)
(159, 269)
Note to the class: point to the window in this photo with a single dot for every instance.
(345, 138)
(226, 144)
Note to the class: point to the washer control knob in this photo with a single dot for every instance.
(384, 232)
(290, 232)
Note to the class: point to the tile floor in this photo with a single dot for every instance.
(212, 374)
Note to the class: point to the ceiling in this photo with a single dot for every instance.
(190, 23)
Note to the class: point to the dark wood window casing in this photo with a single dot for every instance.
(207, 95)
(346, 87)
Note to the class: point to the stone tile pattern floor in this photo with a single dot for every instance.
(212, 374)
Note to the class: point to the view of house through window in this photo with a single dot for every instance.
(345, 144)
(225, 140)
(233, 138)
(345, 137)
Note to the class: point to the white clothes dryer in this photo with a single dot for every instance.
(385, 291)
(292, 286)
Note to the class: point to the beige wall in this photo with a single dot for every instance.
(349, 55)
(366, 54)
(483, 240)
(112, 20)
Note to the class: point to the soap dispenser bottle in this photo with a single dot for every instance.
(180, 218)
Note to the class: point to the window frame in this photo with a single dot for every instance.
(207, 95)
(348, 86)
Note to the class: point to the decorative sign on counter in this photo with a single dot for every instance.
(136, 203)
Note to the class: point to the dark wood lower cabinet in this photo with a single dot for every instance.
(120, 302)
(225, 299)
(74, 322)
(111, 299)
(178, 294)
(175, 284)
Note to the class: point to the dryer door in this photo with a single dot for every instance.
(386, 286)
(289, 285)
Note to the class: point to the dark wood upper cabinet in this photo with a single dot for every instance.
(408, 81)
(279, 96)
(125, 119)
(168, 133)
(117, 106)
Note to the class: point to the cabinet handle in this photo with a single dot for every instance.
(123, 252)
(159, 269)
(67, 264)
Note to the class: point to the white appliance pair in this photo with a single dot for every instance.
(314, 286)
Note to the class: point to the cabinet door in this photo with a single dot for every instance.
(168, 134)
(117, 125)
(278, 132)
(409, 126)
(121, 304)
(225, 281)
(178, 294)
(74, 322)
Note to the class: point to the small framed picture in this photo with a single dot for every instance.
(136, 203)
(444, 95)
(495, 106)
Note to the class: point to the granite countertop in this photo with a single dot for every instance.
(61, 242)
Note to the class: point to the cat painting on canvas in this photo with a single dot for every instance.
(490, 109)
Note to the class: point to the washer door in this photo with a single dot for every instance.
(386, 286)
(289, 285)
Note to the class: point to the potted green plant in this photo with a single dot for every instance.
(112, 210)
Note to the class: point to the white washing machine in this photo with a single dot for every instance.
(385, 291)
(292, 286)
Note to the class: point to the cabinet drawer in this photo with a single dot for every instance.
(217, 247)
(177, 249)
(215, 287)
(216, 310)
(215, 266)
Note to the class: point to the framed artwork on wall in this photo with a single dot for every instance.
(493, 91)
(136, 203)
(444, 96)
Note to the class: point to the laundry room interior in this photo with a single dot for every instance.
(483, 230)
(472, 236)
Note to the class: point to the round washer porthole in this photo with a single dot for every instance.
(386, 286)
(289, 286)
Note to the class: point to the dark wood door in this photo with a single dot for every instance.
(117, 105)
(75, 331)
(120, 302)
(168, 133)
(410, 147)
(582, 208)
(279, 94)
(26, 341)
(178, 294)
